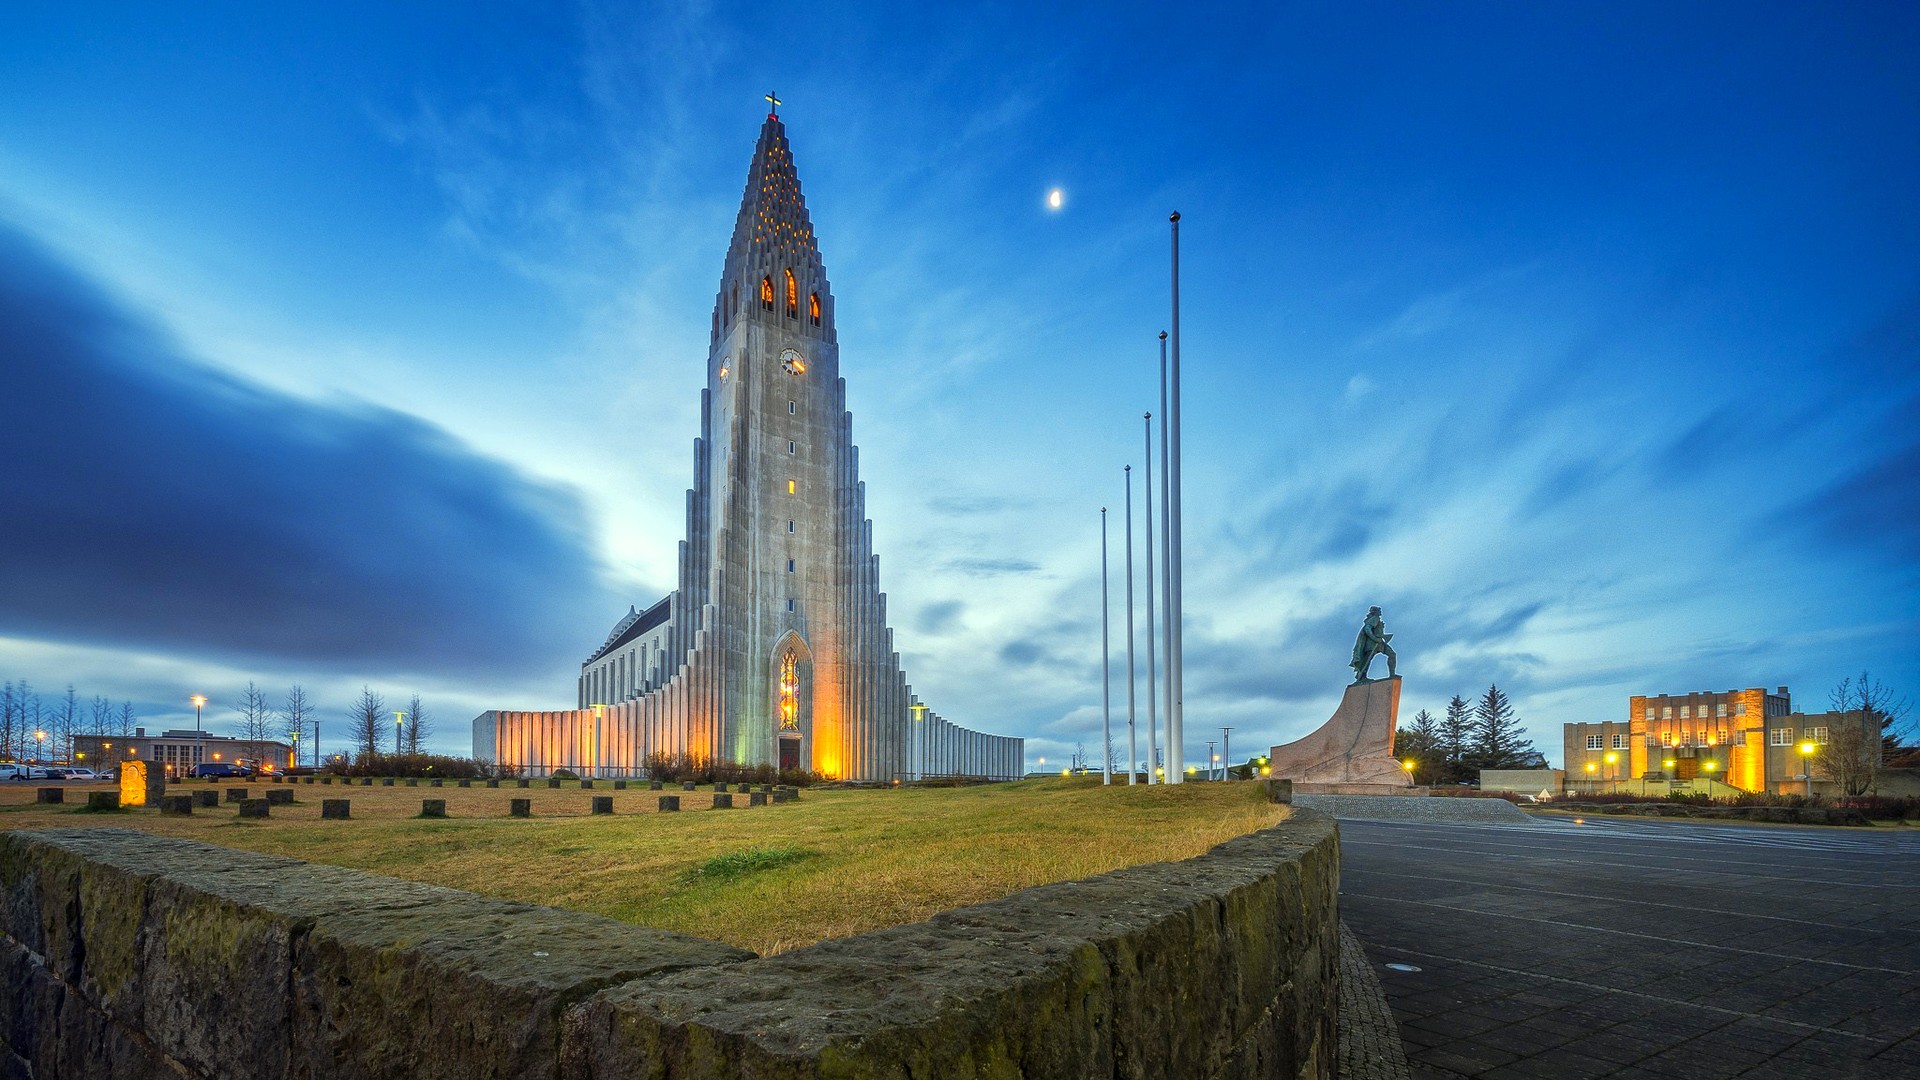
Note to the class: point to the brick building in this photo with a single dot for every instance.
(178, 751)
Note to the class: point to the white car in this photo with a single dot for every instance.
(82, 775)
(22, 772)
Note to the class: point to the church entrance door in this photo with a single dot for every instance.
(789, 753)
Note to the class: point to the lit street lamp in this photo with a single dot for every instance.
(1613, 775)
(41, 753)
(1806, 765)
(199, 736)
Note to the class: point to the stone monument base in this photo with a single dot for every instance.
(1354, 747)
(1360, 789)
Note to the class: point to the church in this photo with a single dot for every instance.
(775, 647)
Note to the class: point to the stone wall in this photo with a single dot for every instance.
(130, 955)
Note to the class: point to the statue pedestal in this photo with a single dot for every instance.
(1354, 747)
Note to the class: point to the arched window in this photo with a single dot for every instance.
(793, 297)
(789, 693)
(766, 293)
(813, 308)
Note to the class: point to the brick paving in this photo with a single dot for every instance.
(1563, 951)
(1370, 1047)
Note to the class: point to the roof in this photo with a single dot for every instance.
(632, 625)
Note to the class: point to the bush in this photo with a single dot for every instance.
(674, 768)
(425, 765)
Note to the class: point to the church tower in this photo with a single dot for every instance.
(775, 648)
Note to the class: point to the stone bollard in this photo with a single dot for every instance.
(493, 783)
(176, 804)
(366, 781)
(434, 782)
(101, 801)
(279, 779)
(239, 794)
(603, 804)
(586, 785)
(253, 808)
(386, 781)
(525, 783)
(553, 781)
(688, 785)
(326, 779)
(206, 798)
(793, 793)
(669, 803)
(1280, 791)
(767, 788)
(413, 781)
(721, 787)
(519, 807)
(336, 808)
(306, 779)
(654, 785)
(781, 797)
(756, 798)
(466, 783)
(433, 808)
(619, 785)
(280, 797)
(722, 801)
(50, 795)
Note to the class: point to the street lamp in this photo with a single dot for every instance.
(1806, 765)
(1612, 773)
(1407, 765)
(41, 752)
(199, 737)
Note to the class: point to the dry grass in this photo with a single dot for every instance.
(767, 878)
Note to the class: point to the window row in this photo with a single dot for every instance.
(792, 298)
(1689, 712)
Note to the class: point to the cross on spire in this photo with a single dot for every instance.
(773, 97)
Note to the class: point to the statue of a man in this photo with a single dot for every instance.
(1371, 643)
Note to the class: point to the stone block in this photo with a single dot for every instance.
(176, 804)
(619, 785)
(435, 782)
(654, 785)
(756, 798)
(102, 801)
(466, 783)
(688, 785)
(336, 808)
(1280, 791)
(50, 795)
(280, 797)
(306, 779)
(386, 781)
(586, 785)
(278, 779)
(254, 808)
(413, 781)
(524, 783)
(669, 803)
(722, 801)
(603, 804)
(326, 779)
(206, 798)
(721, 787)
(366, 781)
(434, 808)
(519, 807)
(238, 794)
(493, 783)
(781, 797)
(553, 781)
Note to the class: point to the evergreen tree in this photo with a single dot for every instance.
(1419, 742)
(1497, 742)
(1456, 731)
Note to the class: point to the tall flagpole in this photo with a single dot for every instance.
(1176, 651)
(1153, 722)
(1133, 739)
(1166, 575)
(1106, 665)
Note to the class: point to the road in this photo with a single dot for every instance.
(1563, 951)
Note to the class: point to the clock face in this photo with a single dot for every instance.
(724, 370)
(793, 362)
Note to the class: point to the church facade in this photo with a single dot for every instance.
(774, 648)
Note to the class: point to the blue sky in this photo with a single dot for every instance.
(363, 345)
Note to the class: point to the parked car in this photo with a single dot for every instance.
(225, 770)
(22, 772)
(81, 775)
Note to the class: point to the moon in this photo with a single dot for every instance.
(1055, 199)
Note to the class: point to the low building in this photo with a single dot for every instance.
(179, 751)
(1524, 781)
(1715, 741)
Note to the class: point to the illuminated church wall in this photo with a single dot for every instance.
(778, 580)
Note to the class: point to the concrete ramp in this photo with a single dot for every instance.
(1432, 811)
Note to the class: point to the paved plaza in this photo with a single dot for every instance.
(1560, 951)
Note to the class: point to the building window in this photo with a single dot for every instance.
(1650, 715)
(793, 407)
(789, 603)
(1593, 742)
(1619, 742)
(793, 297)
(1666, 737)
(1814, 734)
(793, 487)
(1720, 709)
(790, 447)
(1740, 709)
(1781, 736)
(1685, 711)
(766, 293)
(789, 526)
(789, 566)
(813, 308)
(1666, 712)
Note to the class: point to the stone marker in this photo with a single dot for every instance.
(386, 781)
(466, 783)
(280, 797)
(619, 785)
(722, 801)
(493, 783)
(654, 785)
(586, 785)
(603, 804)
(366, 781)
(239, 794)
(722, 787)
(519, 807)
(413, 781)
(1280, 791)
(206, 798)
(279, 779)
(781, 797)
(524, 783)
(767, 788)
(433, 808)
(50, 795)
(326, 779)
(688, 785)
(253, 808)
(306, 779)
(176, 804)
(336, 808)
(553, 781)
(756, 798)
(103, 800)
(435, 782)
(669, 803)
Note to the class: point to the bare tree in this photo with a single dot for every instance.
(366, 720)
(125, 723)
(417, 726)
(256, 722)
(10, 702)
(100, 720)
(66, 721)
(1850, 755)
(296, 713)
(1883, 711)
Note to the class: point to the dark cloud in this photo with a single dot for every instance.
(992, 567)
(941, 616)
(1878, 507)
(152, 502)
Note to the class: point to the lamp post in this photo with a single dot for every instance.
(918, 769)
(1211, 758)
(199, 736)
(1613, 778)
(1409, 766)
(1591, 769)
(593, 741)
(1226, 751)
(1806, 765)
(399, 721)
(40, 750)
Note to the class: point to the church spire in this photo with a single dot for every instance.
(773, 264)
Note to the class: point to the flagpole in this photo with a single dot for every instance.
(1153, 721)
(1176, 651)
(1133, 739)
(1106, 665)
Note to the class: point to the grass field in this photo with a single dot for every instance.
(767, 878)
